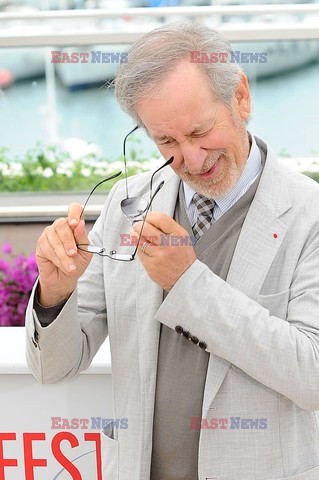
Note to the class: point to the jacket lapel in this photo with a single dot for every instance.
(261, 236)
(263, 232)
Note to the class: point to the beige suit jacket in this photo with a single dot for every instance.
(261, 328)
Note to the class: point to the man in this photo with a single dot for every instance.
(215, 347)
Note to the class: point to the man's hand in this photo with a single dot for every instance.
(59, 261)
(169, 253)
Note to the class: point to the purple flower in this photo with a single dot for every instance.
(31, 262)
(4, 266)
(16, 282)
(7, 248)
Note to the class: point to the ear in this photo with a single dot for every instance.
(242, 97)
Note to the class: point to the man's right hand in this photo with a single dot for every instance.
(59, 261)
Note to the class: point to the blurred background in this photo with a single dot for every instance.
(61, 130)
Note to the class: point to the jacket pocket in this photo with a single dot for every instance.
(110, 454)
(277, 303)
(312, 474)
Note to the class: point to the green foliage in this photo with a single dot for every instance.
(48, 168)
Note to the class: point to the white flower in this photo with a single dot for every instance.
(4, 169)
(86, 172)
(101, 172)
(92, 148)
(65, 170)
(47, 172)
(15, 169)
(115, 166)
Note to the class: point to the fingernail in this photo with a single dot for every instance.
(73, 221)
(71, 251)
(72, 268)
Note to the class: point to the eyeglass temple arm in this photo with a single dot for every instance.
(125, 169)
(152, 198)
(94, 188)
(169, 161)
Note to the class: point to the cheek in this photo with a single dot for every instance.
(217, 140)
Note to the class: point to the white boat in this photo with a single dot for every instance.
(81, 75)
(23, 63)
(102, 64)
(281, 56)
(26, 62)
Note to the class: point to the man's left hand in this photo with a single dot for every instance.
(167, 251)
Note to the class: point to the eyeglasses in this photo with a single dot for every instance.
(134, 208)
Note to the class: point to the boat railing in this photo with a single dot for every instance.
(46, 28)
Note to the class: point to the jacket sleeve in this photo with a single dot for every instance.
(67, 346)
(281, 353)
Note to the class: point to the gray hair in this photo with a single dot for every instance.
(157, 53)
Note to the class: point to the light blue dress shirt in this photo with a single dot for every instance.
(252, 170)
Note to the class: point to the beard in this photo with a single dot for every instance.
(229, 171)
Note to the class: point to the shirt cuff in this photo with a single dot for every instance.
(46, 315)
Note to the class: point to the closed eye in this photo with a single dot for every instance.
(170, 142)
(198, 135)
(167, 142)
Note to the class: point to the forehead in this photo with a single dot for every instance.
(185, 100)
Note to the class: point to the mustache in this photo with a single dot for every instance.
(207, 165)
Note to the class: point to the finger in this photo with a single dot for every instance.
(66, 236)
(74, 214)
(142, 243)
(82, 239)
(54, 249)
(47, 253)
(149, 233)
(80, 234)
(163, 222)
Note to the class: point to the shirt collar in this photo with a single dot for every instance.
(252, 167)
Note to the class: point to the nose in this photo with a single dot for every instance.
(193, 156)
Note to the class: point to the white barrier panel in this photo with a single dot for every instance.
(51, 432)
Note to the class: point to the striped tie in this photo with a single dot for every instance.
(204, 207)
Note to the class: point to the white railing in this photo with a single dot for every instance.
(232, 10)
(45, 32)
(41, 212)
